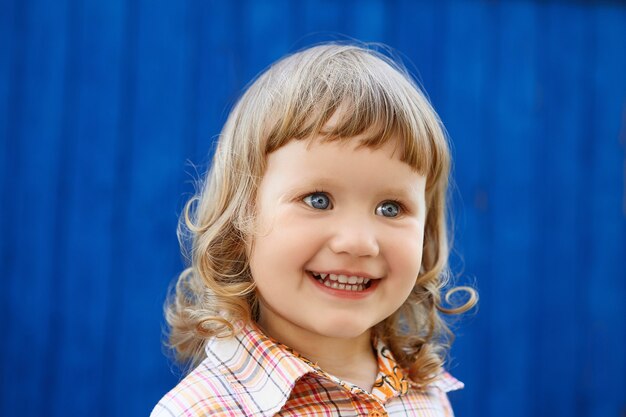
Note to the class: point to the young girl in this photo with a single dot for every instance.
(319, 250)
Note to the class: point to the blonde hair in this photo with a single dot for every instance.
(372, 97)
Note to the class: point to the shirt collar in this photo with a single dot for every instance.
(263, 372)
(392, 380)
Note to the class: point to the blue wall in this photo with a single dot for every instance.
(103, 103)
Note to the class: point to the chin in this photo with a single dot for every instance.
(343, 329)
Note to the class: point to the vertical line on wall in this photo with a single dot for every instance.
(119, 220)
(195, 22)
(56, 323)
(11, 167)
(584, 212)
(495, 17)
(622, 140)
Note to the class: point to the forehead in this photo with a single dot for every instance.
(342, 164)
(392, 148)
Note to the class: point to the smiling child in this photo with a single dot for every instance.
(319, 249)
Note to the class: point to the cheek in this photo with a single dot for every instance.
(276, 238)
(404, 253)
(283, 243)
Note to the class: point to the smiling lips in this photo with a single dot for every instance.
(343, 282)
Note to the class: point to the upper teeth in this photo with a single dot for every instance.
(343, 279)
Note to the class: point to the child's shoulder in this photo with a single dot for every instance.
(201, 393)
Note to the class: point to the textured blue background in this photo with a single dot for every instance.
(102, 103)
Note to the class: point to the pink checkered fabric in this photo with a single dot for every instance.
(251, 375)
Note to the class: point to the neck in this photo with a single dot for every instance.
(350, 359)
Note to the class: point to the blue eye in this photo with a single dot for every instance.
(317, 200)
(388, 209)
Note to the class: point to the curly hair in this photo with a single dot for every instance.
(293, 100)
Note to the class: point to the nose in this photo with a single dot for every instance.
(355, 237)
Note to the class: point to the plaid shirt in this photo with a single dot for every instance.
(251, 375)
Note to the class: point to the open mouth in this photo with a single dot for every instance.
(342, 282)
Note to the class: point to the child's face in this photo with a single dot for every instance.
(330, 208)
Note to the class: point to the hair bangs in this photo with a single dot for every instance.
(347, 95)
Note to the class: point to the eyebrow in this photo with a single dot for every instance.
(399, 191)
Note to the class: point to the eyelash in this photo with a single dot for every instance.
(398, 203)
(317, 192)
(401, 206)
